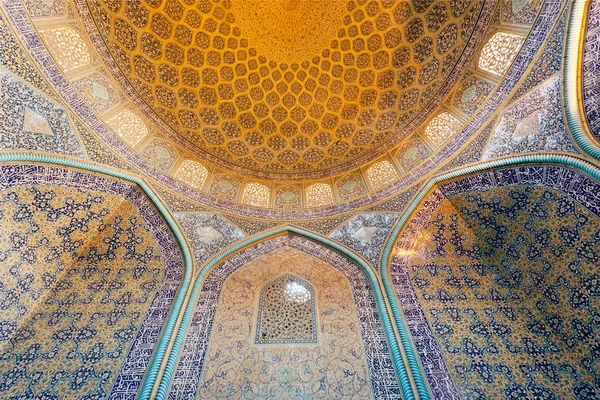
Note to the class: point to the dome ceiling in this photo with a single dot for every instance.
(291, 89)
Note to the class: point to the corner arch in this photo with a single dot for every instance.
(421, 208)
(267, 236)
(161, 349)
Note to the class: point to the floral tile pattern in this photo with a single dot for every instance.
(198, 369)
(497, 278)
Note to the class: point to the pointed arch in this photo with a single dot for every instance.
(161, 348)
(424, 204)
(328, 244)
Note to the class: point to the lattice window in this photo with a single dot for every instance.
(287, 312)
(128, 126)
(319, 194)
(381, 173)
(499, 52)
(256, 194)
(68, 48)
(441, 128)
(192, 173)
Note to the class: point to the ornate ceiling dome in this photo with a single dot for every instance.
(287, 89)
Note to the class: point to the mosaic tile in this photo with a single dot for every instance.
(366, 234)
(548, 63)
(98, 90)
(84, 328)
(399, 202)
(52, 8)
(558, 191)
(198, 356)
(504, 279)
(473, 152)
(207, 234)
(323, 226)
(163, 153)
(15, 60)
(535, 123)
(97, 151)
(520, 11)
(471, 93)
(251, 226)
(33, 122)
(543, 24)
(177, 203)
(412, 153)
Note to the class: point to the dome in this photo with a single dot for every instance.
(316, 199)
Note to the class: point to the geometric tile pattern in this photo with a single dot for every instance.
(204, 69)
(287, 312)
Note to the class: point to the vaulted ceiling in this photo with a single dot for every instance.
(288, 89)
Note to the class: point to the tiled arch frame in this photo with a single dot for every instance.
(141, 368)
(320, 247)
(577, 178)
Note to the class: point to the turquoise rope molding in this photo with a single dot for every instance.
(160, 352)
(381, 305)
(573, 84)
(556, 159)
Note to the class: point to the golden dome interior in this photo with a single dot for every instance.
(287, 90)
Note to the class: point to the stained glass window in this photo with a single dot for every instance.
(499, 52)
(68, 47)
(128, 126)
(287, 312)
(192, 173)
(381, 173)
(441, 128)
(319, 194)
(256, 194)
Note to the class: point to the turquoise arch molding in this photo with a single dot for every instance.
(163, 343)
(370, 274)
(573, 79)
(551, 159)
(170, 354)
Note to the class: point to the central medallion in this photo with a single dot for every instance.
(289, 30)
